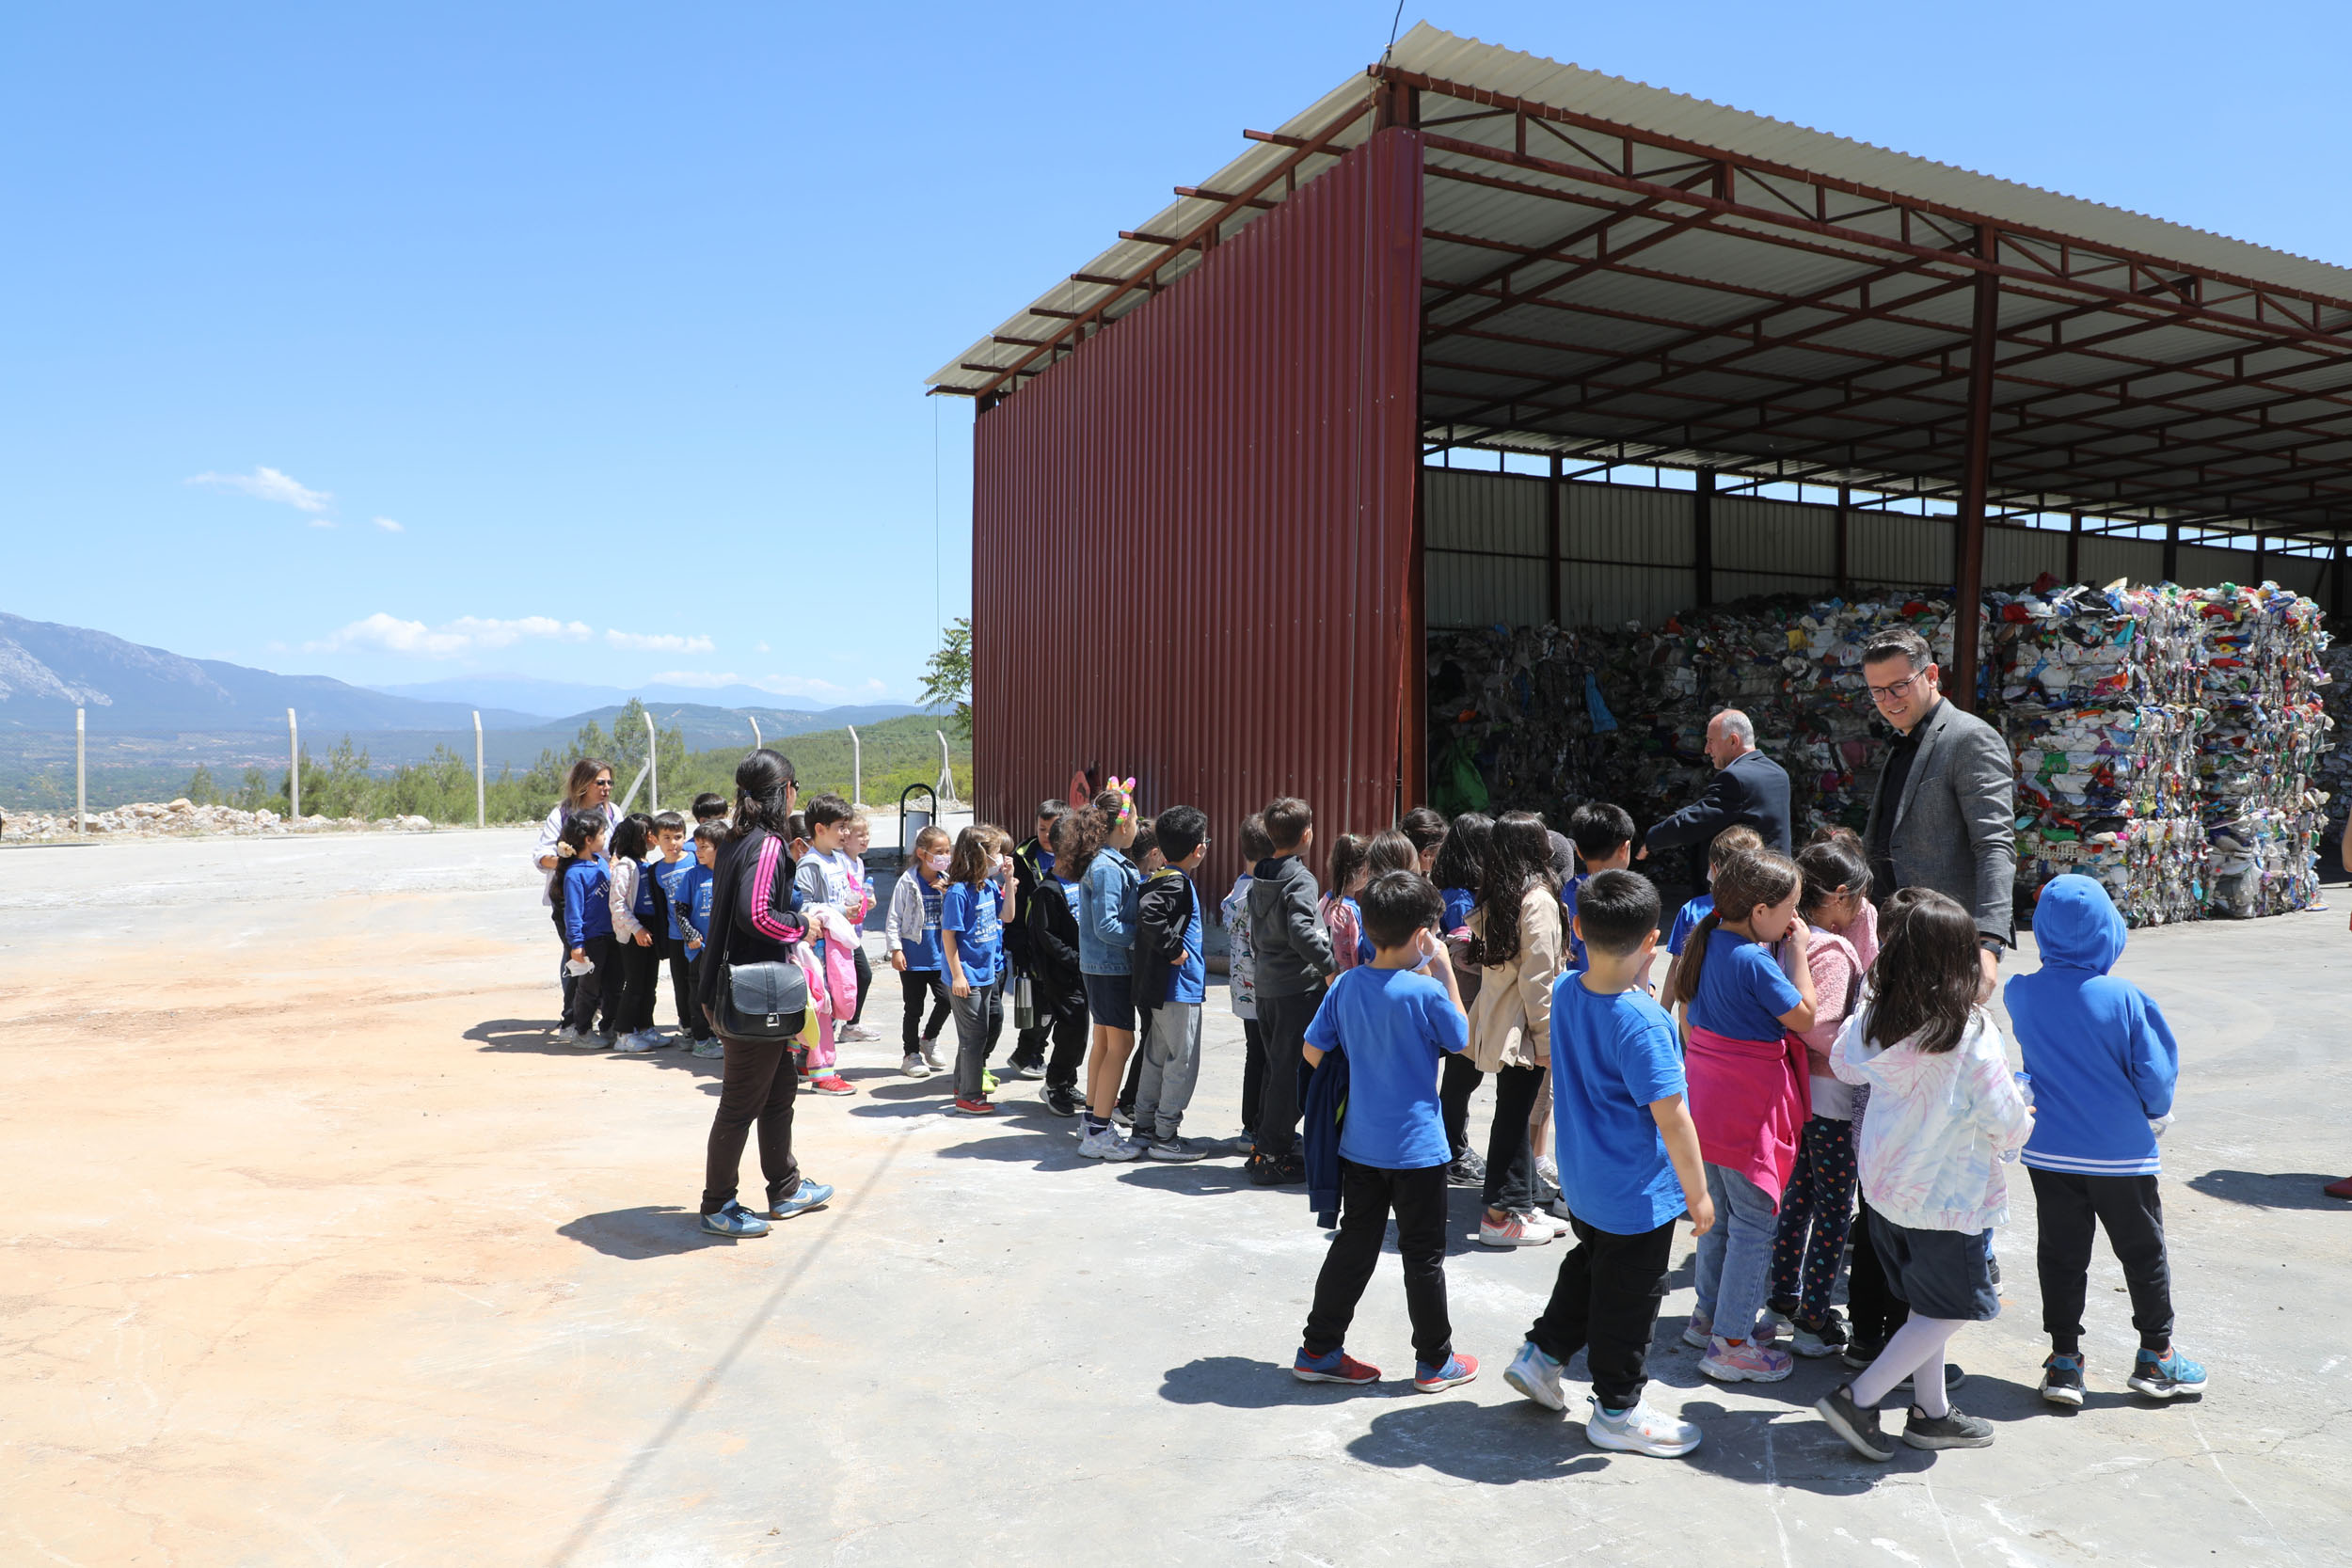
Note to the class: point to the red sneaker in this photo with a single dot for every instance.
(974, 1108)
(2339, 1189)
(831, 1083)
(1333, 1367)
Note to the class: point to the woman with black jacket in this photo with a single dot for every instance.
(1059, 984)
(753, 920)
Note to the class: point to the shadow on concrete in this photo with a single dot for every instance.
(1215, 1177)
(1237, 1383)
(1476, 1443)
(2273, 1190)
(1803, 1455)
(512, 1035)
(653, 1230)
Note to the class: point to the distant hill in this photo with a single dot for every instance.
(47, 671)
(546, 699)
(705, 728)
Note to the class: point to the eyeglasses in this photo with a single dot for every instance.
(1897, 690)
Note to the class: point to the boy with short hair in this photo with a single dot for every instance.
(1032, 863)
(1171, 984)
(1737, 839)
(1630, 1170)
(2103, 1065)
(709, 808)
(1386, 1026)
(669, 837)
(1603, 836)
(827, 875)
(1294, 956)
(691, 907)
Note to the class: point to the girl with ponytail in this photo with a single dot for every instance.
(1748, 1076)
(1107, 887)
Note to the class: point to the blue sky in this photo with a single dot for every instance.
(393, 343)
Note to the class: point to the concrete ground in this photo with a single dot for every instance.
(318, 1252)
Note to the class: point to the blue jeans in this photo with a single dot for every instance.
(1736, 1255)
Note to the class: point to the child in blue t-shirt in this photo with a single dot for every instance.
(1386, 1026)
(1603, 836)
(1735, 840)
(690, 911)
(1630, 1171)
(585, 896)
(972, 941)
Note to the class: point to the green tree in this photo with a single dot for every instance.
(201, 791)
(252, 791)
(625, 748)
(948, 678)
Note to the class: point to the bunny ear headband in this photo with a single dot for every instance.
(1127, 786)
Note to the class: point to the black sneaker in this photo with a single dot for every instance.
(1063, 1102)
(1953, 1378)
(2062, 1378)
(1816, 1340)
(1264, 1170)
(1857, 1426)
(1467, 1170)
(1951, 1430)
(1860, 1353)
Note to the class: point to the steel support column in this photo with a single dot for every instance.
(1551, 544)
(1839, 569)
(2335, 586)
(2172, 552)
(1968, 527)
(2074, 546)
(1703, 539)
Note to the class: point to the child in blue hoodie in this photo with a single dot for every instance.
(2102, 1064)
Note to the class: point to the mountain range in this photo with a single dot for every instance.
(47, 671)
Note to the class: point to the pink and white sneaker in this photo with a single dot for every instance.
(1749, 1361)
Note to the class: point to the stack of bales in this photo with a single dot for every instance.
(2266, 737)
(2099, 697)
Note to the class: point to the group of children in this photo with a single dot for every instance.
(1803, 1046)
(1806, 1046)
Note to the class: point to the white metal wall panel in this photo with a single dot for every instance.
(1747, 585)
(1502, 514)
(1612, 522)
(1900, 551)
(2208, 566)
(2106, 558)
(1483, 590)
(1612, 595)
(2298, 572)
(2014, 555)
(1782, 538)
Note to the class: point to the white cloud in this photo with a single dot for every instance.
(780, 686)
(269, 484)
(759, 647)
(389, 526)
(658, 643)
(321, 522)
(465, 635)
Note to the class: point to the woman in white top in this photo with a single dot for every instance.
(590, 789)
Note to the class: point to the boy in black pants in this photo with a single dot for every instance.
(1386, 1026)
(1630, 1172)
(1060, 997)
(1294, 954)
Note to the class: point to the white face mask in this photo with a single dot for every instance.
(938, 865)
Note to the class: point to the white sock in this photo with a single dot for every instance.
(1916, 1350)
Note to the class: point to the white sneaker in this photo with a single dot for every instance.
(568, 1036)
(1101, 1145)
(1548, 1168)
(1641, 1429)
(645, 1039)
(1699, 1332)
(1558, 1210)
(712, 1047)
(931, 1058)
(1537, 1376)
(855, 1032)
(1544, 1220)
(912, 1065)
(1120, 1148)
(1515, 1231)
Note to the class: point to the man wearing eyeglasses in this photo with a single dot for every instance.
(1943, 814)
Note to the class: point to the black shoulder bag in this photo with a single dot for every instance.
(765, 1002)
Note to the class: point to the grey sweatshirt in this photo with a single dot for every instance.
(1286, 936)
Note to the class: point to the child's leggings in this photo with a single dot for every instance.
(919, 984)
(639, 972)
(1916, 1352)
(589, 991)
(1816, 1212)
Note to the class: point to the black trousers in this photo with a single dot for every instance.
(1605, 1303)
(589, 991)
(1456, 1082)
(1871, 1302)
(1064, 1013)
(639, 974)
(1510, 1166)
(1284, 1020)
(759, 1081)
(865, 967)
(1252, 1071)
(918, 984)
(564, 943)
(690, 1018)
(2070, 1210)
(1367, 1195)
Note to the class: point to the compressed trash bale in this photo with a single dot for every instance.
(2267, 736)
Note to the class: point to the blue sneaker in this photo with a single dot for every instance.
(734, 1221)
(1435, 1380)
(2167, 1376)
(808, 1196)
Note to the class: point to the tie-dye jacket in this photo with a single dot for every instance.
(1932, 1147)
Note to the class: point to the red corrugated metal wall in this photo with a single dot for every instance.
(1192, 538)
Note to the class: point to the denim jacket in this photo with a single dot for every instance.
(1106, 914)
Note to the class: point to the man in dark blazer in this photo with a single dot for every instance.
(1944, 813)
(1748, 786)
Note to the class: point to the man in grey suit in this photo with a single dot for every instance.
(1944, 813)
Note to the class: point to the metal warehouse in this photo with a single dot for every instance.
(1392, 368)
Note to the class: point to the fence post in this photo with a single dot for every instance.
(81, 779)
(756, 742)
(653, 764)
(857, 767)
(481, 795)
(946, 770)
(293, 767)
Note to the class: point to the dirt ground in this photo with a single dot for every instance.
(317, 1251)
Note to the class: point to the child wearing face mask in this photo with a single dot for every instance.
(1748, 1073)
(912, 932)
